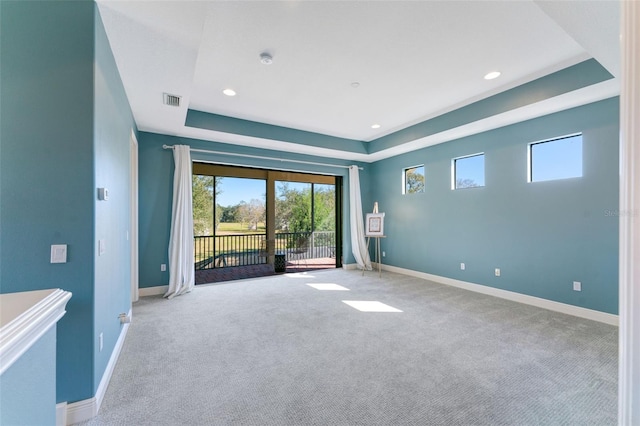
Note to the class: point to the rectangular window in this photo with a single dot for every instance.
(413, 179)
(467, 171)
(555, 159)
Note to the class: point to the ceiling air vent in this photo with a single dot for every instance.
(172, 100)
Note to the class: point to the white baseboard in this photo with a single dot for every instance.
(551, 305)
(61, 414)
(152, 291)
(86, 409)
(348, 266)
(80, 411)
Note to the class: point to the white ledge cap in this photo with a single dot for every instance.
(24, 318)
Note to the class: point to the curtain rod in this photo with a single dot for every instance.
(206, 151)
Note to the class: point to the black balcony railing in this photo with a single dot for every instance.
(251, 249)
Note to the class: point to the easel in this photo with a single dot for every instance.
(378, 257)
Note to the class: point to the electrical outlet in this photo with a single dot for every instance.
(101, 341)
(384, 254)
(497, 272)
(577, 286)
(163, 267)
(462, 266)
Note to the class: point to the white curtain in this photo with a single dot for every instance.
(181, 259)
(358, 242)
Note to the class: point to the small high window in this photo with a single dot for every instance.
(413, 179)
(553, 159)
(467, 171)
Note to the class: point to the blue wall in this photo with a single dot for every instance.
(542, 235)
(47, 169)
(55, 144)
(156, 189)
(28, 387)
(113, 124)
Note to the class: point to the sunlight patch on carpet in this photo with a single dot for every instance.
(370, 306)
(328, 286)
(299, 275)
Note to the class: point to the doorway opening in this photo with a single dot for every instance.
(254, 222)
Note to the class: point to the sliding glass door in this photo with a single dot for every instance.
(246, 216)
(306, 221)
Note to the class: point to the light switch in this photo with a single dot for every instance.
(58, 253)
(103, 194)
(101, 247)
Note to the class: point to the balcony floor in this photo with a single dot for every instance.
(215, 275)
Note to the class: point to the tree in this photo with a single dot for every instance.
(293, 208)
(466, 183)
(414, 181)
(257, 212)
(324, 203)
(202, 196)
(251, 213)
(229, 214)
(202, 199)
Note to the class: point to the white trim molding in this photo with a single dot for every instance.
(349, 266)
(24, 318)
(133, 215)
(564, 308)
(61, 414)
(629, 252)
(80, 411)
(152, 291)
(86, 409)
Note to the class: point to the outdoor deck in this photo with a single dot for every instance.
(208, 276)
(239, 256)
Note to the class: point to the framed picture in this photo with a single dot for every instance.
(374, 226)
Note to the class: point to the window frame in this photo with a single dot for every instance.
(557, 138)
(404, 179)
(453, 170)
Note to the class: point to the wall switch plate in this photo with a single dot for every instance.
(384, 254)
(462, 266)
(163, 267)
(103, 194)
(58, 253)
(101, 341)
(497, 272)
(577, 286)
(101, 247)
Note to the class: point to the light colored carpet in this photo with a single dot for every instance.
(275, 351)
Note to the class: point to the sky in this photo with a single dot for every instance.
(560, 159)
(550, 160)
(236, 190)
(470, 168)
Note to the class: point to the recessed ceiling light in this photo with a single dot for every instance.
(375, 126)
(355, 84)
(492, 75)
(229, 92)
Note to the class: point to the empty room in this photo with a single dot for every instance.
(313, 213)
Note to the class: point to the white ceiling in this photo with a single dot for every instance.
(412, 60)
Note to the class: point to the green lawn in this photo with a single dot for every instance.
(227, 228)
(232, 244)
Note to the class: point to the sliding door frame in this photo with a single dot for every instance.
(271, 176)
